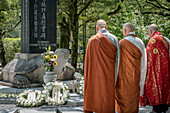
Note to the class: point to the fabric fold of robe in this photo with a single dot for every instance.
(157, 84)
(99, 87)
(127, 86)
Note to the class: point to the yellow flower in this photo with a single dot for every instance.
(55, 57)
(55, 63)
(47, 57)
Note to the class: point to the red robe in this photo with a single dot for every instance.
(157, 83)
(99, 86)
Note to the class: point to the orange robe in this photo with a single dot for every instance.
(99, 86)
(127, 86)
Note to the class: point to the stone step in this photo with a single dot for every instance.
(70, 110)
(75, 100)
(0, 68)
(4, 100)
(11, 90)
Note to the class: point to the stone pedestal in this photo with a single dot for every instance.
(25, 56)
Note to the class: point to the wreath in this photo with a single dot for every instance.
(81, 86)
(62, 94)
(23, 100)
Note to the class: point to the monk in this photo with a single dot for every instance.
(157, 84)
(132, 72)
(101, 68)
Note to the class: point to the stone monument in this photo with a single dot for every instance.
(38, 25)
(38, 31)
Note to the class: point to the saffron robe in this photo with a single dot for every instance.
(157, 84)
(99, 86)
(128, 81)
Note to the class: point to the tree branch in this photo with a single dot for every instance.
(84, 8)
(115, 11)
(139, 5)
(2, 34)
(162, 6)
(15, 26)
(67, 13)
(89, 20)
(152, 4)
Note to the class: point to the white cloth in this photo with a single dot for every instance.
(139, 44)
(113, 39)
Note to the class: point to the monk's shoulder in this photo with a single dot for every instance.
(122, 41)
(93, 39)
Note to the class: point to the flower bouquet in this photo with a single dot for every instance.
(49, 60)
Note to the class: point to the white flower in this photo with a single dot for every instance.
(81, 81)
(49, 103)
(59, 102)
(39, 101)
(52, 59)
(25, 104)
(22, 102)
(81, 92)
(33, 103)
(51, 52)
(50, 87)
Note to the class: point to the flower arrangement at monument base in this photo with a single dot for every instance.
(81, 86)
(49, 61)
(30, 98)
(56, 93)
(7, 95)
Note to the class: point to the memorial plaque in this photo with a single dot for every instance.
(31, 96)
(38, 25)
(56, 92)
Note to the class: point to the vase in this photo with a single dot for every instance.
(50, 77)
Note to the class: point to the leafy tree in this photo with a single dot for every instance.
(9, 20)
(73, 10)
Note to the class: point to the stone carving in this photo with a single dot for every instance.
(24, 70)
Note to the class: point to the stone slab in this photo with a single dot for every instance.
(32, 85)
(11, 90)
(75, 100)
(70, 110)
(25, 56)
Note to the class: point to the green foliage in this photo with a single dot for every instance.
(10, 11)
(12, 46)
(132, 14)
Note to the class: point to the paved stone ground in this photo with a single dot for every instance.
(55, 109)
(75, 104)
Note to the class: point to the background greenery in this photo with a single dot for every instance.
(76, 22)
(12, 46)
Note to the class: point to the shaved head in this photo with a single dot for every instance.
(151, 29)
(127, 28)
(100, 24)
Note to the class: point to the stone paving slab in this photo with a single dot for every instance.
(11, 90)
(70, 110)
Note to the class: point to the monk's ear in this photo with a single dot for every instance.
(106, 27)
